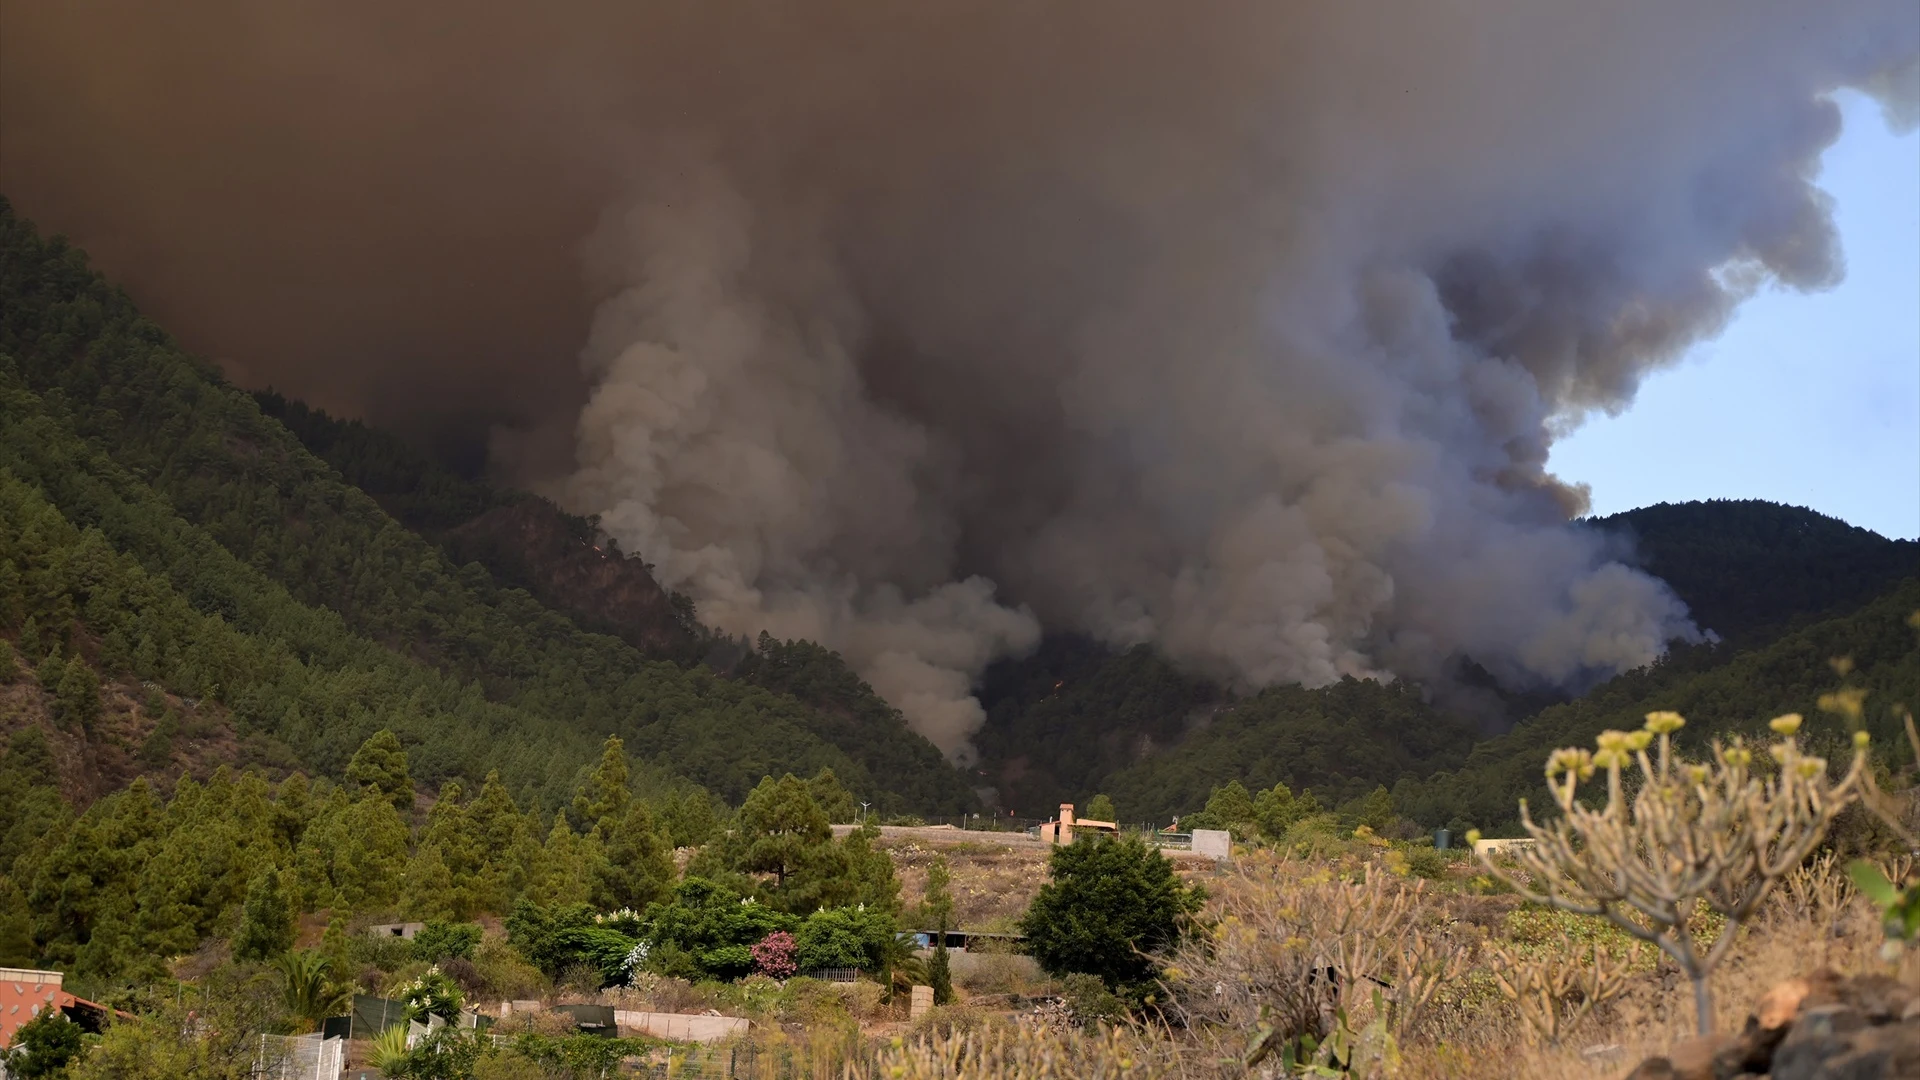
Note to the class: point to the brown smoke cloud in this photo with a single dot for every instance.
(1241, 328)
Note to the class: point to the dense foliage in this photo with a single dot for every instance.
(1750, 570)
(1721, 692)
(1109, 904)
(1340, 741)
(166, 528)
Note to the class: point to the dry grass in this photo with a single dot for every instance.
(1280, 919)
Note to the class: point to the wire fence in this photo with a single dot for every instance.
(299, 1057)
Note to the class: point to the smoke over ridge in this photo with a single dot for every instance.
(1240, 328)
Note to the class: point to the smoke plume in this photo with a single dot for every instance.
(1239, 328)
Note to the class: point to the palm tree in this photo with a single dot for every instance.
(310, 994)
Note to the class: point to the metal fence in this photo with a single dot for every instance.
(833, 974)
(299, 1057)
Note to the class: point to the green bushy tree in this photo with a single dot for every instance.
(1109, 903)
(266, 920)
(380, 765)
(43, 1047)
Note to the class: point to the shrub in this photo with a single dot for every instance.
(43, 1046)
(1107, 905)
(773, 956)
(440, 940)
(433, 993)
(1090, 1001)
(845, 937)
(1295, 948)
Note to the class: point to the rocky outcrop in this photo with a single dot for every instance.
(1821, 1027)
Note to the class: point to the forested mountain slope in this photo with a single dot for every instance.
(1076, 717)
(1721, 695)
(163, 529)
(1750, 570)
(523, 540)
(1338, 741)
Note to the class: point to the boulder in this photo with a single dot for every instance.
(1817, 1027)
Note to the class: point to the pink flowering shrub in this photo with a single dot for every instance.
(773, 957)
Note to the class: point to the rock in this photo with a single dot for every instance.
(1693, 1059)
(1840, 1042)
(1778, 1006)
(1654, 1068)
(1751, 1051)
(1820, 1027)
(1882, 998)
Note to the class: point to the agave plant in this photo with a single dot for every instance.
(388, 1050)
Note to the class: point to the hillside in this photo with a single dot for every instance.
(1722, 693)
(1076, 718)
(1751, 570)
(523, 540)
(170, 535)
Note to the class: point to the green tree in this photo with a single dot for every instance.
(1100, 808)
(1275, 810)
(1109, 904)
(43, 1047)
(266, 920)
(1230, 808)
(426, 889)
(936, 907)
(782, 834)
(77, 695)
(452, 831)
(833, 798)
(567, 867)
(603, 795)
(440, 940)
(1374, 810)
(637, 867)
(380, 765)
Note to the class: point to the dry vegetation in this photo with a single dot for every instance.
(1343, 959)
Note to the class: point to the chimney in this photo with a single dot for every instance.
(1066, 823)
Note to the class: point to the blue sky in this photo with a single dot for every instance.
(1809, 399)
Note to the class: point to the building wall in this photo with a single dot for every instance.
(23, 994)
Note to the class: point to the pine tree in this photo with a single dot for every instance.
(508, 851)
(1100, 808)
(603, 794)
(381, 765)
(565, 872)
(426, 890)
(451, 830)
(834, 799)
(266, 920)
(77, 695)
(638, 866)
(937, 907)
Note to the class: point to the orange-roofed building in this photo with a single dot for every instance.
(25, 994)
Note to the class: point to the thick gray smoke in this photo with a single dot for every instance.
(1240, 328)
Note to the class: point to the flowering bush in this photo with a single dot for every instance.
(434, 993)
(773, 956)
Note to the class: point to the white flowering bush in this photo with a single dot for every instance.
(433, 993)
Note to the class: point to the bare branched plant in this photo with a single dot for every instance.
(1030, 1052)
(1294, 949)
(1718, 835)
(1555, 988)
